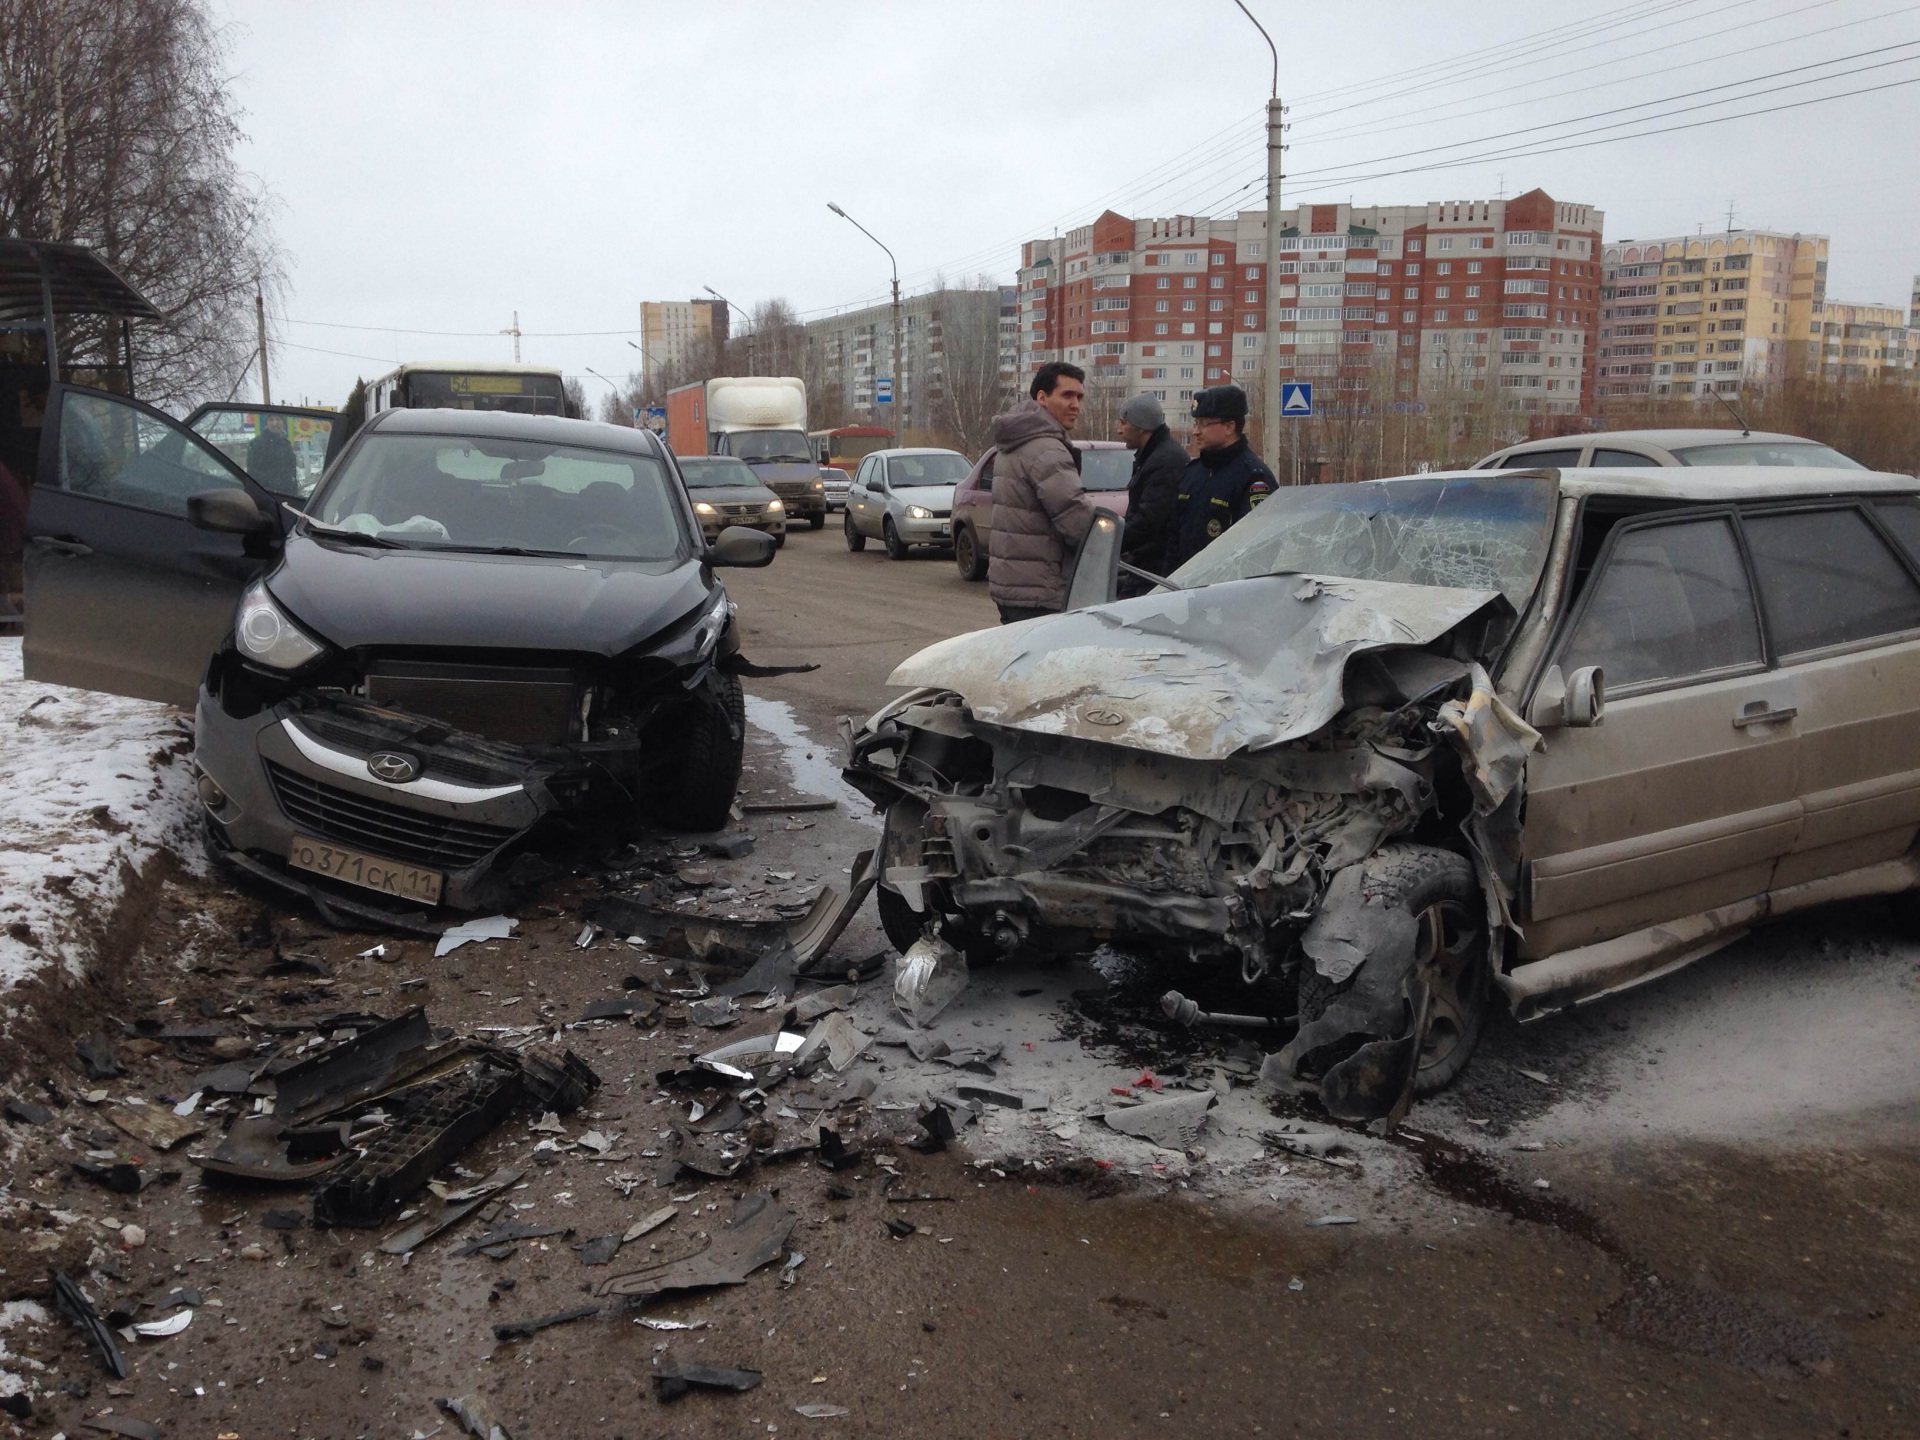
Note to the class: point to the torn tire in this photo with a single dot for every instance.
(1394, 985)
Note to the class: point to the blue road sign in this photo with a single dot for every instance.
(882, 391)
(1296, 399)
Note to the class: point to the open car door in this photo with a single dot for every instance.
(130, 587)
(283, 448)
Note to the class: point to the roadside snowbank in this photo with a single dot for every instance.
(89, 785)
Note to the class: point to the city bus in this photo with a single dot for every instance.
(475, 385)
(845, 447)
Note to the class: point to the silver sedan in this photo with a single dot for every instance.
(904, 498)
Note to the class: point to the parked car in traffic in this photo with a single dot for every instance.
(483, 629)
(1105, 468)
(1630, 449)
(726, 492)
(1315, 760)
(836, 483)
(903, 498)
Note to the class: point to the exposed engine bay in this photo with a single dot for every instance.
(1354, 867)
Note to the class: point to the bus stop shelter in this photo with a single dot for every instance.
(45, 285)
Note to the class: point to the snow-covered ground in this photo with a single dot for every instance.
(90, 785)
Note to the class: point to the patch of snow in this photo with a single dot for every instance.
(15, 1313)
(814, 765)
(89, 786)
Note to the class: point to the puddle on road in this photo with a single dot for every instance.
(1653, 1309)
(813, 764)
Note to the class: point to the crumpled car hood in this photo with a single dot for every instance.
(1200, 674)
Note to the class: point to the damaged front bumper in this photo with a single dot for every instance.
(305, 770)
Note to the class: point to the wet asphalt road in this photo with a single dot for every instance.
(1672, 1285)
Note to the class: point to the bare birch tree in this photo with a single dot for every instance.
(117, 132)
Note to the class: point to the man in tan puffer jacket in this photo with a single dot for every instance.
(1040, 509)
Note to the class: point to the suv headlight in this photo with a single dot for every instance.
(263, 632)
(919, 512)
(819, 485)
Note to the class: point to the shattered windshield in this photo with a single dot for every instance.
(454, 492)
(1472, 532)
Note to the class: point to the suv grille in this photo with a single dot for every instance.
(330, 813)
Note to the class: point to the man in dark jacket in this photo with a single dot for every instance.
(1040, 509)
(1222, 484)
(1158, 462)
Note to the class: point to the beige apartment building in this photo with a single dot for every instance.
(677, 333)
(1693, 315)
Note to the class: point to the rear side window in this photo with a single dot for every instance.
(1671, 604)
(1542, 460)
(1620, 459)
(1826, 578)
(1903, 518)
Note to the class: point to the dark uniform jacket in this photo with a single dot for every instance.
(1157, 466)
(1217, 489)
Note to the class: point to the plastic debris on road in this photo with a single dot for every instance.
(932, 975)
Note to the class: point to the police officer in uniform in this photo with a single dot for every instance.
(1222, 483)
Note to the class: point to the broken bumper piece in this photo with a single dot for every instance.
(372, 1118)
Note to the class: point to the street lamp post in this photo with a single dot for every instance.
(744, 316)
(1270, 437)
(900, 429)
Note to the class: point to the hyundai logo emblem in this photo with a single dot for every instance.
(392, 767)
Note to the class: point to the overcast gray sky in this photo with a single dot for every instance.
(440, 166)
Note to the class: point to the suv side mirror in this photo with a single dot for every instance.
(1577, 701)
(231, 512)
(1096, 569)
(741, 548)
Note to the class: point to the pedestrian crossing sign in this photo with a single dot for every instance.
(1296, 398)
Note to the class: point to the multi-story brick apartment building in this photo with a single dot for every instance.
(1385, 303)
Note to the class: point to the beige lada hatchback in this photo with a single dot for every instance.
(1401, 749)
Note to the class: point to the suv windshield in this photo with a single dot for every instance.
(1796, 453)
(452, 492)
(767, 447)
(1468, 532)
(937, 469)
(1106, 469)
(713, 473)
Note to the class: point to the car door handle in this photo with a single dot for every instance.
(59, 545)
(1763, 717)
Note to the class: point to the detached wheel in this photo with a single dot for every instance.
(856, 542)
(896, 547)
(967, 558)
(1439, 889)
(694, 768)
(818, 522)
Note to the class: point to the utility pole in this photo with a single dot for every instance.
(514, 331)
(260, 325)
(900, 428)
(1276, 145)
